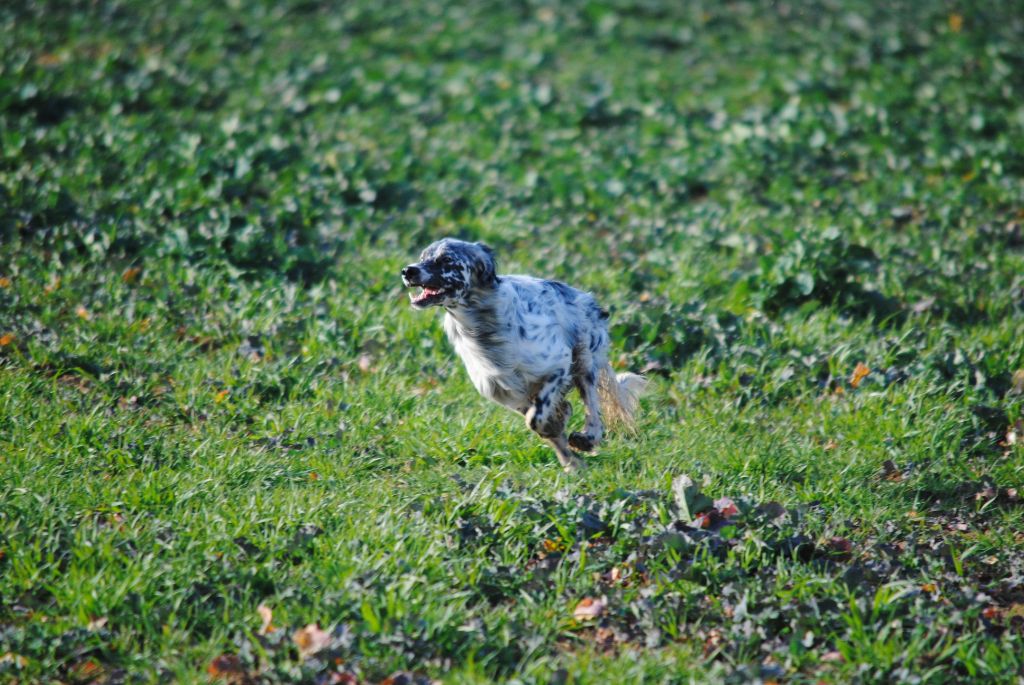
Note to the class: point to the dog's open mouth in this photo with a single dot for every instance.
(427, 296)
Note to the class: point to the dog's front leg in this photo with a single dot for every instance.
(549, 414)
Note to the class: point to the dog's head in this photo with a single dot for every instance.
(449, 271)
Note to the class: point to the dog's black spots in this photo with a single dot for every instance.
(581, 442)
(565, 292)
(526, 342)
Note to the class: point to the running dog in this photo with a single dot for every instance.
(526, 342)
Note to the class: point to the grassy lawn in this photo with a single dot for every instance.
(231, 451)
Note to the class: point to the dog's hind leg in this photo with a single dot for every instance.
(548, 415)
(589, 356)
(593, 429)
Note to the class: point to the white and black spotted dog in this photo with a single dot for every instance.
(526, 343)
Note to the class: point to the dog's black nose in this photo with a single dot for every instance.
(409, 271)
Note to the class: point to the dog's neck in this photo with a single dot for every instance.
(476, 317)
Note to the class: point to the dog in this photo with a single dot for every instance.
(526, 342)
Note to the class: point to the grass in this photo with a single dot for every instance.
(806, 219)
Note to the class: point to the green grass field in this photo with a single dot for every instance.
(231, 451)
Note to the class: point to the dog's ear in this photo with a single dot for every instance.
(486, 268)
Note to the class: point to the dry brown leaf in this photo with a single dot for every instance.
(266, 619)
(228, 667)
(590, 608)
(6, 339)
(956, 22)
(131, 274)
(83, 313)
(310, 639)
(5, 282)
(992, 613)
(96, 623)
(551, 545)
(832, 657)
(890, 471)
(859, 372)
(86, 671)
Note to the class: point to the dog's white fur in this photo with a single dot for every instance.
(526, 342)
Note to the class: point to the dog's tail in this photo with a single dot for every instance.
(620, 396)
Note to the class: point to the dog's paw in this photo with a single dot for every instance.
(581, 442)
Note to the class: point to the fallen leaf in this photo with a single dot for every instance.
(365, 363)
(702, 521)
(839, 547)
(131, 274)
(890, 471)
(986, 493)
(726, 507)
(991, 613)
(5, 282)
(221, 396)
(713, 641)
(551, 545)
(832, 657)
(6, 339)
(590, 608)
(83, 313)
(97, 623)
(859, 372)
(85, 671)
(266, 619)
(227, 667)
(53, 285)
(930, 588)
(956, 22)
(310, 639)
